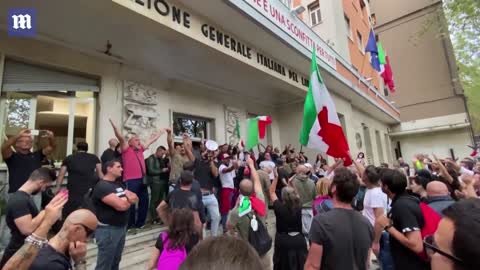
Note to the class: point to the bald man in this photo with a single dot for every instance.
(110, 153)
(69, 244)
(305, 188)
(438, 196)
(238, 220)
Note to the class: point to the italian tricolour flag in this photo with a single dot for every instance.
(321, 128)
(256, 129)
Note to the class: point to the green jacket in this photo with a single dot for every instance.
(154, 169)
(306, 190)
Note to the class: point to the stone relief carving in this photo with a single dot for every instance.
(139, 106)
(231, 117)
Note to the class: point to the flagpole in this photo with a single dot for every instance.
(363, 66)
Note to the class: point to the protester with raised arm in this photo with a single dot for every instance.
(20, 160)
(23, 258)
(22, 215)
(179, 155)
(134, 170)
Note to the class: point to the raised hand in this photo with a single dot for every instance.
(53, 210)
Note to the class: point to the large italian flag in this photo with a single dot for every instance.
(321, 128)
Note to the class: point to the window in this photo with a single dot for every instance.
(343, 123)
(41, 98)
(360, 42)
(373, 19)
(385, 90)
(287, 3)
(362, 4)
(196, 127)
(315, 13)
(70, 115)
(347, 25)
(379, 146)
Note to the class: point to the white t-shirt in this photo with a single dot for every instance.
(374, 198)
(271, 165)
(226, 178)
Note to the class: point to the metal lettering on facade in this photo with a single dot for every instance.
(278, 14)
(181, 20)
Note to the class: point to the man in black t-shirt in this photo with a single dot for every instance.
(340, 238)
(69, 244)
(22, 162)
(205, 172)
(406, 221)
(110, 153)
(84, 170)
(112, 203)
(22, 216)
(182, 198)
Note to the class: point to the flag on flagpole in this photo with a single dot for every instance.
(373, 50)
(321, 128)
(381, 54)
(252, 133)
(387, 75)
(263, 121)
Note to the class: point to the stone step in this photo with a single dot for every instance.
(136, 251)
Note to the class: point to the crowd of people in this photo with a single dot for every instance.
(215, 200)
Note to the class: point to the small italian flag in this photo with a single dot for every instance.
(321, 128)
(256, 129)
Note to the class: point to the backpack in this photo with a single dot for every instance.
(357, 202)
(259, 238)
(431, 220)
(323, 207)
(170, 259)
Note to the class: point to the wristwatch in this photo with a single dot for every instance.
(388, 226)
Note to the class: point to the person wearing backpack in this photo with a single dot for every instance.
(173, 245)
(405, 223)
(248, 216)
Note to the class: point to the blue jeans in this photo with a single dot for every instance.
(137, 218)
(110, 241)
(211, 204)
(385, 255)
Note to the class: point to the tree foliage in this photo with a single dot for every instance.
(464, 27)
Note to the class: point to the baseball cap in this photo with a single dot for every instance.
(224, 156)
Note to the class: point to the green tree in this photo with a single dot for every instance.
(463, 18)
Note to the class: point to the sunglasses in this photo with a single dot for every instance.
(87, 229)
(431, 248)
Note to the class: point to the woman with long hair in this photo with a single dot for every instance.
(172, 246)
(323, 202)
(290, 251)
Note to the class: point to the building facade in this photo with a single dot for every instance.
(181, 64)
(429, 95)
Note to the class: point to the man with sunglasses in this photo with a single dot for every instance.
(69, 244)
(455, 243)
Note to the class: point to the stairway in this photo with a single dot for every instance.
(137, 251)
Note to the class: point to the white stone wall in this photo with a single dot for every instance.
(436, 142)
